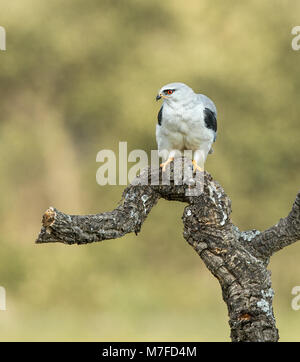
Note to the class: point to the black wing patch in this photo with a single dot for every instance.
(210, 119)
(159, 116)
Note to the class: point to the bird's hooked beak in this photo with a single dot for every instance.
(159, 96)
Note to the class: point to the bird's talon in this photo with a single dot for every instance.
(165, 164)
(196, 167)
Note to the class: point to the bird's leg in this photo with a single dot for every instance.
(165, 164)
(200, 157)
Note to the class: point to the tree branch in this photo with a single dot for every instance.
(237, 259)
(83, 229)
(137, 201)
(284, 233)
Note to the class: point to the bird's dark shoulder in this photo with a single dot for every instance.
(210, 119)
(159, 116)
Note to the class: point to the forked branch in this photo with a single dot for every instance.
(238, 259)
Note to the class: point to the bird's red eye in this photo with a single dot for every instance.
(169, 91)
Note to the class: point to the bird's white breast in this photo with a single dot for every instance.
(183, 128)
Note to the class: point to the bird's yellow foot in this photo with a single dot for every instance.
(165, 164)
(196, 167)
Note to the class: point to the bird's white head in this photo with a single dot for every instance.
(176, 93)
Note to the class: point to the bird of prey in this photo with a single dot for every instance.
(186, 121)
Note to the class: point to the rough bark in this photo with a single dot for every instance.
(238, 259)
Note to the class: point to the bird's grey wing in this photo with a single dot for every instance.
(159, 116)
(210, 113)
(161, 136)
(207, 102)
(210, 119)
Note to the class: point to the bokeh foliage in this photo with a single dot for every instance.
(79, 76)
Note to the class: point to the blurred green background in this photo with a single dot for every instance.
(79, 76)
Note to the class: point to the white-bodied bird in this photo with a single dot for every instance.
(186, 121)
